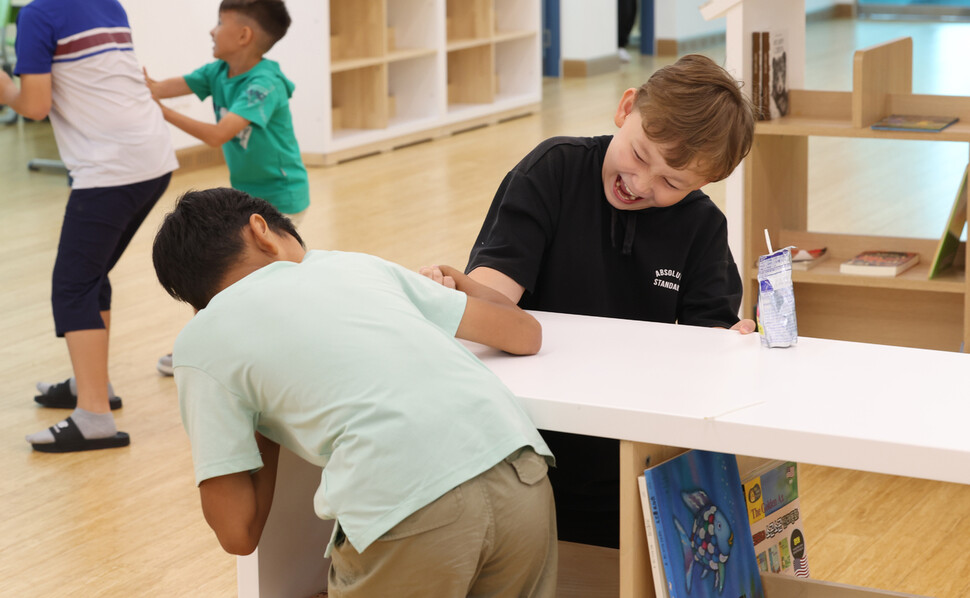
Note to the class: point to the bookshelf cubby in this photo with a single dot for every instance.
(401, 71)
(910, 309)
(469, 20)
(411, 86)
(357, 29)
(470, 75)
(360, 98)
(636, 575)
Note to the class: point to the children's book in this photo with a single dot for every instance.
(880, 263)
(659, 581)
(756, 73)
(912, 122)
(806, 259)
(778, 57)
(771, 492)
(699, 512)
(765, 77)
(946, 251)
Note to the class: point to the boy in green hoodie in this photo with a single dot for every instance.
(250, 96)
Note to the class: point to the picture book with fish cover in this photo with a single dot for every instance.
(771, 492)
(701, 520)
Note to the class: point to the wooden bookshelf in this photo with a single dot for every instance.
(400, 71)
(910, 309)
(636, 575)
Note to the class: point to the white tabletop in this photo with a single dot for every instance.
(868, 407)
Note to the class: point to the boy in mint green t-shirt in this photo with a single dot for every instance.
(250, 96)
(433, 471)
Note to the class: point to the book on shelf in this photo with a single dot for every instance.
(659, 581)
(778, 79)
(756, 74)
(880, 263)
(769, 74)
(701, 521)
(912, 122)
(946, 250)
(765, 81)
(806, 259)
(771, 492)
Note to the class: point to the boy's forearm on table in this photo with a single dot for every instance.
(473, 288)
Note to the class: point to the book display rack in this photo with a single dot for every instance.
(908, 310)
(636, 570)
(402, 71)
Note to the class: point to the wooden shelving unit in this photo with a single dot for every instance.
(395, 72)
(636, 574)
(909, 310)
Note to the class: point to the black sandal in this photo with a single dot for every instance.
(60, 396)
(68, 439)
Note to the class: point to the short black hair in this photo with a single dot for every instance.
(271, 16)
(201, 239)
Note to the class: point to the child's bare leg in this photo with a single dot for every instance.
(89, 357)
(45, 388)
(92, 417)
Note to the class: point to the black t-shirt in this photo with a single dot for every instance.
(551, 229)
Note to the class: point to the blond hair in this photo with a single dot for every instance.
(697, 110)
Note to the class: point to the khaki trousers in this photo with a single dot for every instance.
(493, 536)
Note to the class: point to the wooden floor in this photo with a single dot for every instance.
(127, 522)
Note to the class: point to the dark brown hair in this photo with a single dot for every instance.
(201, 239)
(697, 110)
(270, 16)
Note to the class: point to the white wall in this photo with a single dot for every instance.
(588, 29)
(677, 19)
(681, 20)
(172, 39)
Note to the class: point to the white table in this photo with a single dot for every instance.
(873, 408)
(876, 408)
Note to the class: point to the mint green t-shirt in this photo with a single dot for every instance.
(264, 158)
(350, 362)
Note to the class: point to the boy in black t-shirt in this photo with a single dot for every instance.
(616, 226)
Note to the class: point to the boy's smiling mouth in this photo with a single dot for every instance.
(623, 192)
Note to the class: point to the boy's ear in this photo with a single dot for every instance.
(626, 106)
(246, 35)
(259, 232)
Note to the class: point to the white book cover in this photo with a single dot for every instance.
(778, 63)
(659, 579)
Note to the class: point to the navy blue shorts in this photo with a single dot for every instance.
(98, 225)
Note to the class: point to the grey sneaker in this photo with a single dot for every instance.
(164, 365)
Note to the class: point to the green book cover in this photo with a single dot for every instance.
(950, 241)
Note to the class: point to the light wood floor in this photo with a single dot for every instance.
(127, 522)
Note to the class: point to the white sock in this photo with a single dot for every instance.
(92, 425)
(43, 387)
